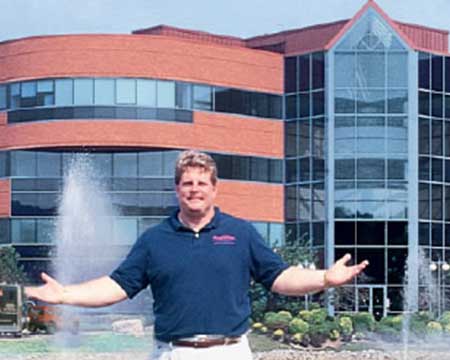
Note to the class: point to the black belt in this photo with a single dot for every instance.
(204, 341)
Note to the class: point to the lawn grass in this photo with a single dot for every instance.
(105, 342)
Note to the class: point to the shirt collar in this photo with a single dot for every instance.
(177, 225)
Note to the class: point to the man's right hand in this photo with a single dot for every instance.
(98, 292)
(51, 292)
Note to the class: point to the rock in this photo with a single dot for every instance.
(130, 327)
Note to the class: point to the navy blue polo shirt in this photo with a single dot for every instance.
(200, 281)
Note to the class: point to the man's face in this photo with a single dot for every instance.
(196, 193)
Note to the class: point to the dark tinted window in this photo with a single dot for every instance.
(318, 71)
(447, 74)
(4, 168)
(304, 73)
(290, 74)
(436, 72)
(344, 233)
(397, 233)
(4, 231)
(370, 233)
(424, 70)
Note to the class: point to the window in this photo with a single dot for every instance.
(183, 95)
(104, 91)
(397, 76)
(166, 94)
(125, 165)
(23, 163)
(424, 71)
(126, 91)
(28, 94)
(83, 91)
(370, 70)
(436, 72)
(23, 231)
(150, 164)
(3, 98)
(318, 70)
(290, 74)
(48, 164)
(202, 97)
(63, 92)
(45, 93)
(146, 92)
(4, 162)
(344, 71)
(304, 73)
(14, 96)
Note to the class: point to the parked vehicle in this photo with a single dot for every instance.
(16, 314)
(12, 310)
(51, 319)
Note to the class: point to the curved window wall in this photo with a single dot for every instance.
(128, 98)
(139, 184)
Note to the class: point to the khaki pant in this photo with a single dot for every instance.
(238, 351)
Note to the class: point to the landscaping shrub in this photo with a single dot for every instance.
(434, 328)
(297, 326)
(279, 320)
(418, 322)
(445, 318)
(314, 316)
(320, 332)
(345, 326)
(363, 322)
(394, 322)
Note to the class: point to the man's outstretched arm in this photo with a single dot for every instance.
(99, 292)
(296, 281)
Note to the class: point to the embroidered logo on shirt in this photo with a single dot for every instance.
(224, 239)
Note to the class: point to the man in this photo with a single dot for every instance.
(199, 263)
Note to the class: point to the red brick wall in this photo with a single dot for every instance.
(140, 56)
(253, 201)
(5, 198)
(213, 132)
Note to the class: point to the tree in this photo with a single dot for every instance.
(10, 271)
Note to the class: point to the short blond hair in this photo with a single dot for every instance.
(195, 159)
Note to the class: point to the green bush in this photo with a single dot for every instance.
(363, 322)
(258, 296)
(320, 332)
(345, 325)
(277, 320)
(314, 316)
(445, 318)
(446, 329)
(418, 322)
(387, 332)
(334, 335)
(434, 328)
(394, 322)
(298, 326)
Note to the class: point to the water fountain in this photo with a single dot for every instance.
(87, 244)
(427, 301)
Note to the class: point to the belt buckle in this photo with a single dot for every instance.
(204, 340)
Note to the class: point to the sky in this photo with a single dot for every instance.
(242, 18)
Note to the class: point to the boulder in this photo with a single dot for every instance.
(130, 327)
